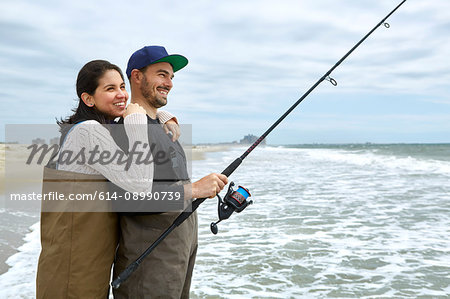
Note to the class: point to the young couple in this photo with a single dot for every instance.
(79, 248)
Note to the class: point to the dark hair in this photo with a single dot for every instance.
(87, 81)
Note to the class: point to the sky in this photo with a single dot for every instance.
(249, 61)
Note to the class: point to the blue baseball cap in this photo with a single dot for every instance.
(153, 54)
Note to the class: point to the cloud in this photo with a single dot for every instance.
(248, 59)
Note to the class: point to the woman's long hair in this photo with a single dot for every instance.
(87, 81)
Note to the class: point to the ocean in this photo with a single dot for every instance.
(328, 221)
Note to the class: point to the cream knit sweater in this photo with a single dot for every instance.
(91, 135)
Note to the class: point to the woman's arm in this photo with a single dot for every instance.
(170, 124)
(165, 116)
(133, 171)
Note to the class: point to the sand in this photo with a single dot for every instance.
(199, 151)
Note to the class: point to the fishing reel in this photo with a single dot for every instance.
(233, 201)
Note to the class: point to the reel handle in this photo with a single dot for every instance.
(214, 228)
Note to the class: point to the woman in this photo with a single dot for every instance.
(78, 247)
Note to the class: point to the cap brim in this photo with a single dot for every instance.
(177, 61)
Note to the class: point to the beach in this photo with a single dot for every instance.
(328, 221)
(198, 152)
(14, 225)
(19, 229)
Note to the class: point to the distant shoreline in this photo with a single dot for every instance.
(199, 151)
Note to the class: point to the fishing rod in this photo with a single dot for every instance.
(236, 201)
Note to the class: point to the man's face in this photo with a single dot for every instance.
(157, 83)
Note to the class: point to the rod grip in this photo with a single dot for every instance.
(232, 167)
(124, 275)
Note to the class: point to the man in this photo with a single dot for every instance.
(167, 271)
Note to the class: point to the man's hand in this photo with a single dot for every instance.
(209, 186)
(172, 127)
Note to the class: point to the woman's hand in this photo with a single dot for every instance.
(171, 126)
(133, 108)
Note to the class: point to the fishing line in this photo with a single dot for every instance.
(233, 202)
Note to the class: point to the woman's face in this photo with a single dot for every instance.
(110, 97)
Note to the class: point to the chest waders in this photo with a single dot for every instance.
(78, 245)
